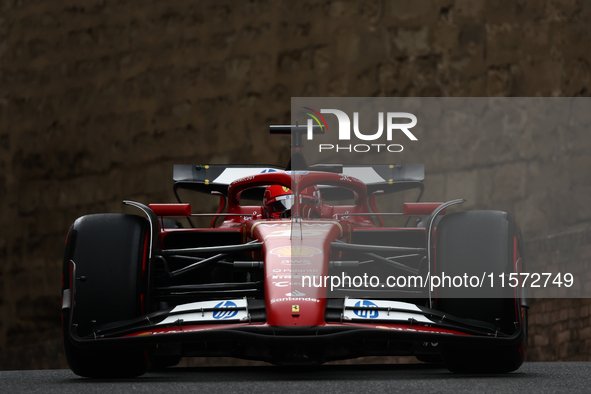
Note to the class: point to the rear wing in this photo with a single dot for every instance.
(390, 178)
(214, 177)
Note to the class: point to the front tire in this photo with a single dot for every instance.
(473, 243)
(109, 252)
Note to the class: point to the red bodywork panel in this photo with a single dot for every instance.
(171, 209)
(290, 251)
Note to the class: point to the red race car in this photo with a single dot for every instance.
(297, 267)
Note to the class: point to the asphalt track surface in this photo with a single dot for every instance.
(549, 377)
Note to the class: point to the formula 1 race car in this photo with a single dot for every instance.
(260, 282)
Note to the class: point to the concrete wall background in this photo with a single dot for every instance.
(98, 99)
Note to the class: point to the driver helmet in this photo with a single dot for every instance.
(277, 201)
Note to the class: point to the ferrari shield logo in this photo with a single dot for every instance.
(295, 308)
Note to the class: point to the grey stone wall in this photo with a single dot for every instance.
(560, 329)
(98, 99)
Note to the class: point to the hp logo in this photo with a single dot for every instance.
(220, 315)
(366, 313)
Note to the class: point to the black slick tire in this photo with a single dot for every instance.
(109, 252)
(473, 243)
